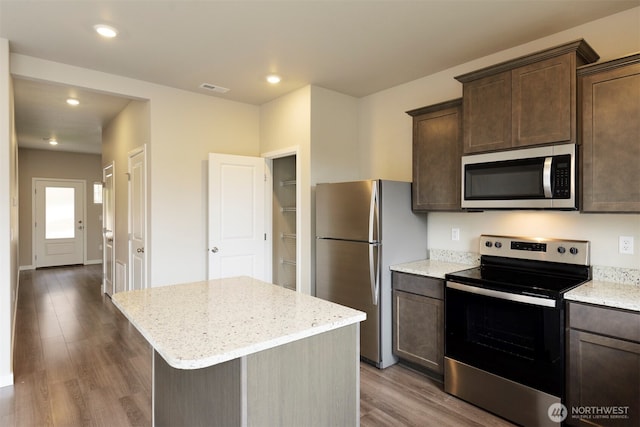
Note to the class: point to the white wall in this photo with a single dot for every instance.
(601, 230)
(385, 142)
(334, 137)
(8, 218)
(286, 123)
(323, 125)
(126, 132)
(183, 128)
(195, 125)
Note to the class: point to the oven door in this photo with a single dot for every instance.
(520, 341)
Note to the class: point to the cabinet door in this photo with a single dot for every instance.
(418, 330)
(436, 160)
(487, 113)
(611, 140)
(604, 372)
(544, 97)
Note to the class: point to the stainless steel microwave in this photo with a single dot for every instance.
(529, 178)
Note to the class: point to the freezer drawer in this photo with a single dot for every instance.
(343, 275)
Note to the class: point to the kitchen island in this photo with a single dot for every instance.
(239, 351)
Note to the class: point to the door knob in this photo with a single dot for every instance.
(140, 250)
(215, 249)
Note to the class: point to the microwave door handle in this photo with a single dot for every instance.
(546, 177)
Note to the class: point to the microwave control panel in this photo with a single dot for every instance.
(561, 172)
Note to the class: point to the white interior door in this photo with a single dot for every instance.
(236, 216)
(137, 219)
(59, 222)
(108, 228)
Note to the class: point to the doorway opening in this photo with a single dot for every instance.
(58, 226)
(284, 220)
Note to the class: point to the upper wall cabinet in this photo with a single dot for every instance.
(437, 148)
(609, 100)
(526, 101)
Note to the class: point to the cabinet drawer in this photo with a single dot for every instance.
(605, 321)
(419, 285)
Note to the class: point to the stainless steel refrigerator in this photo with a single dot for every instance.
(362, 228)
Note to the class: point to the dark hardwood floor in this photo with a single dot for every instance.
(79, 362)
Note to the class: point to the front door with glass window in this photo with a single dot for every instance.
(59, 222)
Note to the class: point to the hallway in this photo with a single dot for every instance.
(77, 360)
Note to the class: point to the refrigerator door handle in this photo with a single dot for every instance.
(374, 234)
(374, 265)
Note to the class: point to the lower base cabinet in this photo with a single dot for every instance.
(603, 376)
(418, 321)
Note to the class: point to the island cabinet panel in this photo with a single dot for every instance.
(603, 372)
(418, 321)
(194, 397)
(527, 101)
(609, 95)
(311, 382)
(437, 148)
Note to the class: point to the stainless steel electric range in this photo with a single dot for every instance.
(504, 322)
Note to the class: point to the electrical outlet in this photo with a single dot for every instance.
(455, 234)
(625, 245)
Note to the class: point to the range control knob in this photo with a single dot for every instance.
(488, 244)
(498, 245)
(573, 251)
(561, 249)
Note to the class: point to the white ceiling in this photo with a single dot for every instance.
(353, 47)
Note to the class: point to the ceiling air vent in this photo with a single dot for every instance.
(214, 88)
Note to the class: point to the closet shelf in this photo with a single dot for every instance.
(288, 209)
(287, 236)
(289, 182)
(287, 262)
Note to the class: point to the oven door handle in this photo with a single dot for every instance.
(545, 302)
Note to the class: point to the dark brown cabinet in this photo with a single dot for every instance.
(526, 101)
(418, 320)
(603, 375)
(487, 113)
(609, 99)
(437, 148)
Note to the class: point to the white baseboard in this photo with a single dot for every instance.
(27, 267)
(93, 261)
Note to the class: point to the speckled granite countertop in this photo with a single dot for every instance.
(610, 294)
(431, 268)
(602, 292)
(196, 325)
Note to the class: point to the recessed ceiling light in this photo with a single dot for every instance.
(106, 31)
(273, 79)
(72, 101)
(53, 141)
